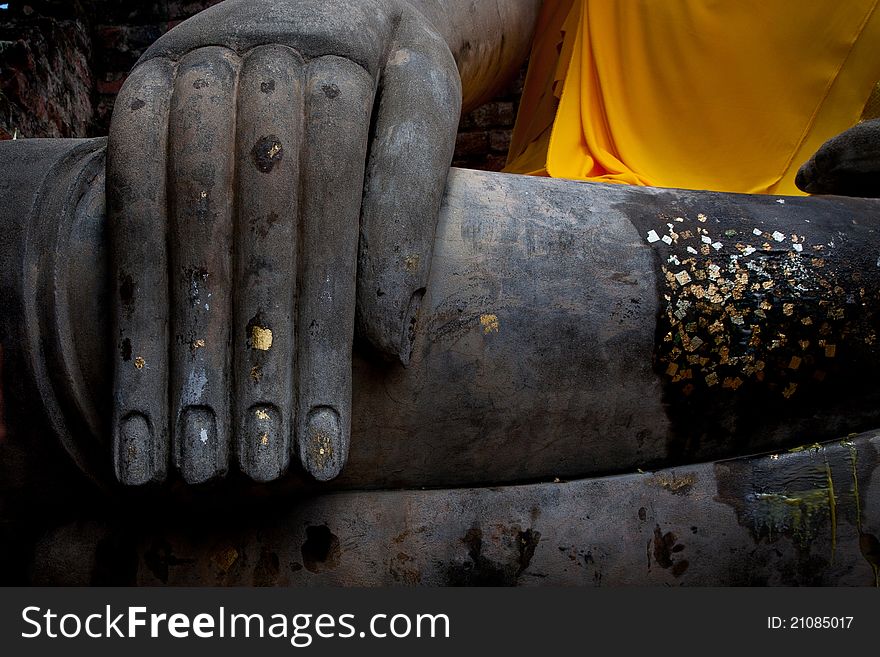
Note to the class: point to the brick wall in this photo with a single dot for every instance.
(62, 62)
(484, 134)
(45, 72)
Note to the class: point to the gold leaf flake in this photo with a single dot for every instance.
(261, 338)
(683, 278)
(411, 263)
(225, 558)
(490, 323)
(732, 383)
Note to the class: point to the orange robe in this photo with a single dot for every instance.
(699, 94)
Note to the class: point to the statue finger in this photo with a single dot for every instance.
(419, 105)
(338, 96)
(138, 231)
(270, 110)
(201, 191)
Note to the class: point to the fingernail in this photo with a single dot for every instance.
(322, 450)
(200, 448)
(264, 448)
(135, 447)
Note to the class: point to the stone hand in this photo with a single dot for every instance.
(273, 167)
(847, 165)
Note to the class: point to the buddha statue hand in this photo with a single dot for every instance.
(846, 165)
(275, 170)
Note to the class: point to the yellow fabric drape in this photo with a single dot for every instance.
(700, 94)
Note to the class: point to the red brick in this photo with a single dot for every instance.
(109, 88)
(499, 141)
(471, 143)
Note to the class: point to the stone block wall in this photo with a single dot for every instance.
(46, 78)
(484, 134)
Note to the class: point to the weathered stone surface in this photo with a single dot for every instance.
(565, 331)
(532, 364)
(542, 347)
(382, 84)
(848, 164)
(807, 517)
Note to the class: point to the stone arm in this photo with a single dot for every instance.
(273, 167)
(567, 330)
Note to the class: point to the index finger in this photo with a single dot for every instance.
(138, 225)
